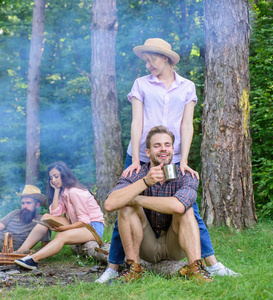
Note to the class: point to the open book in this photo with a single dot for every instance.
(48, 223)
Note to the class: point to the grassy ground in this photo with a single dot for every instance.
(249, 252)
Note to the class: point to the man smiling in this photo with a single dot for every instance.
(156, 221)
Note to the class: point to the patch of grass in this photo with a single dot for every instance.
(249, 252)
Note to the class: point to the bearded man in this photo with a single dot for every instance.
(20, 222)
(156, 220)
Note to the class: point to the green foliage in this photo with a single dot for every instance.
(15, 27)
(65, 110)
(66, 124)
(261, 97)
(65, 115)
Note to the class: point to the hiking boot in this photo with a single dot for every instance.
(27, 262)
(197, 271)
(132, 273)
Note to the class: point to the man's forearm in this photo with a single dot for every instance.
(167, 205)
(124, 196)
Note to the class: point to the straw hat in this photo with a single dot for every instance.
(33, 192)
(157, 46)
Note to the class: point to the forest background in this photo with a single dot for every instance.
(65, 109)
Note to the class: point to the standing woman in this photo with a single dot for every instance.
(161, 98)
(67, 196)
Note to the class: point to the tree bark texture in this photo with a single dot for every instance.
(34, 72)
(104, 104)
(226, 145)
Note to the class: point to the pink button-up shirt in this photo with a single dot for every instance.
(78, 205)
(162, 107)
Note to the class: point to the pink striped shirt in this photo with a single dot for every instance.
(78, 205)
(162, 107)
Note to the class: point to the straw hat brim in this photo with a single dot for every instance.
(40, 197)
(139, 50)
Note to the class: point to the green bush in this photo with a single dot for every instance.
(261, 97)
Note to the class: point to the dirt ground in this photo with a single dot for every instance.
(48, 274)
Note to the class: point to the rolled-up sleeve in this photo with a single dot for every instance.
(122, 183)
(191, 94)
(59, 210)
(187, 194)
(135, 92)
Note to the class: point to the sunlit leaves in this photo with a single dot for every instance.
(261, 97)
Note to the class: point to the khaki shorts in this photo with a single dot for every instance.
(166, 247)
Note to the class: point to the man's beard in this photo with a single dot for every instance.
(26, 216)
(156, 162)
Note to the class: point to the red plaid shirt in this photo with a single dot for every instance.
(184, 188)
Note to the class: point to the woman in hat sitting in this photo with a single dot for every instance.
(161, 98)
(67, 196)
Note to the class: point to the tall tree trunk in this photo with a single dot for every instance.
(226, 145)
(106, 125)
(34, 71)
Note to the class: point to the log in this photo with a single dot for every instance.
(164, 267)
(88, 250)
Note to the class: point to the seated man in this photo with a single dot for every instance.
(20, 221)
(156, 221)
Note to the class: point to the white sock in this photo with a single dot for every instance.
(216, 266)
(112, 271)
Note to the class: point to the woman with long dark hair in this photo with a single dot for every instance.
(66, 196)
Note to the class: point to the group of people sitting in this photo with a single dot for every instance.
(66, 196)
(158, 219)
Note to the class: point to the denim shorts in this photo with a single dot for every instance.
(99, 227)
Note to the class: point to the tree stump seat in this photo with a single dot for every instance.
(165, 267)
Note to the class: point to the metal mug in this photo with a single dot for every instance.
(170, 172)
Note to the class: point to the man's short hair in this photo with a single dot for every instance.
(155, 130)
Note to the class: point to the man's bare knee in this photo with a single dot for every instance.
(126, 210)
(188, 214)
(180, 219)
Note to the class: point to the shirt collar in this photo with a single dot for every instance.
(153, 78)
(177, 78)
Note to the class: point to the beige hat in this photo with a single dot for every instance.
(33, 192)
(157, 46)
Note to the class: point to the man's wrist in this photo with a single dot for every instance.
(145, 182)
